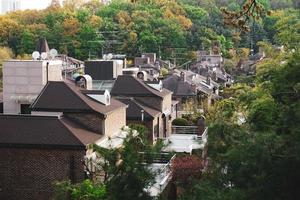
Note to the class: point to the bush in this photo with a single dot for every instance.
(164, 71)
(180, 122)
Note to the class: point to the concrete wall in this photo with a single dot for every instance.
(30, 173)
(24, 80)
(115, 121)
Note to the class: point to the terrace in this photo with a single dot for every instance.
(185, 139)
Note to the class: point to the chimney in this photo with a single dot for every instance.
(182, 76)
(201, 125)
(214, 76)
(194, 88)
(223, 70)
(208, 79)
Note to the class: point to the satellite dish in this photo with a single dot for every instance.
(35, 55)
(104, 56)
(44, 55)
(53, 53)
(110, 56)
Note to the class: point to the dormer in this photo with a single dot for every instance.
(156, 85)
(101, 96)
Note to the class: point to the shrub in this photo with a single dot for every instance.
(180, 122)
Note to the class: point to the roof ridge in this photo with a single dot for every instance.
(69, 131)
(75, 92)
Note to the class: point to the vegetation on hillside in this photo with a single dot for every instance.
(173, 29)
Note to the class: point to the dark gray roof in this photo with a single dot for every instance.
(42, 45)
(43, 131)
(61, 96)
(133, 111)
(178, 86)
(126, 85)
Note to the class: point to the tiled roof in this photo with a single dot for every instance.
(133, 111)
(130, 86)
(62, 96)
(43, 131)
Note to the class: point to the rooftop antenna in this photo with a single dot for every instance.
(44, 55)
(110, 56)
(53, 53)
(35, 55)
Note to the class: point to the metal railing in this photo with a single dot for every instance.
(184, 129)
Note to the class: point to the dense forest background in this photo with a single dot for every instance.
(169, 28)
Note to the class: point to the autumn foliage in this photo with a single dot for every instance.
(187, 168)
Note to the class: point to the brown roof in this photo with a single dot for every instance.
(133, 111)
(126, 85)
(66, 97)
(43, 131)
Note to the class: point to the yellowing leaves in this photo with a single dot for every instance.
(124, 19)
(95, 21)
(184, 22)
(71, 26)
(8, 27)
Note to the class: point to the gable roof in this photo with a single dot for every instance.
(133, 111)
(64, 96)
(43, 131)
(177, 86)
(126, 85)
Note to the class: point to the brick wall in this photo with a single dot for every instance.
(92, 122)
(29, 173)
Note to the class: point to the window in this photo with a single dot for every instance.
(25, 109)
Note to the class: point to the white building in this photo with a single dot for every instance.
(9, 6)
(24, 80)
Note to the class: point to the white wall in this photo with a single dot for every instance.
(24, 80)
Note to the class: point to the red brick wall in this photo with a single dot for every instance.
(29, 173)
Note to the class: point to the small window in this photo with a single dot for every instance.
(25, 109)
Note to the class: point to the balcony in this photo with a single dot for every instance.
(161, 167)
(185, 139)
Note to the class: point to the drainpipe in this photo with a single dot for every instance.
(142, 115)
(47, 76)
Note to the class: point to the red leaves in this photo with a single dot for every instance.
(186, 168)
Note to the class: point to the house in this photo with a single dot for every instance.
(182, 90)
(149, 67)
(23, 80)
(93, 109)
(186, 84)
(148, 105)
(35, 151)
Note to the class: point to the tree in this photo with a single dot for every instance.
(81, 191)
(254, 137)
(126, 169)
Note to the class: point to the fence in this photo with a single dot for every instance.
(184, 129)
